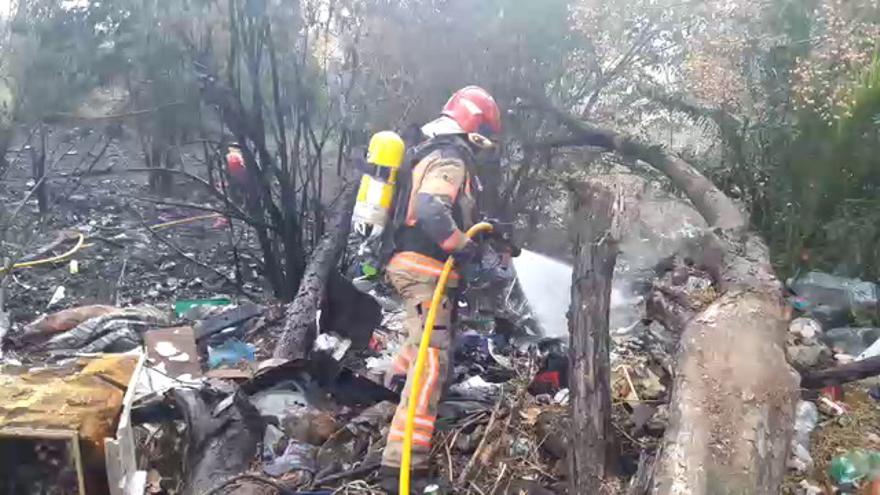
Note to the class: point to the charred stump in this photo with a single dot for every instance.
(589, 360)
(301, 313)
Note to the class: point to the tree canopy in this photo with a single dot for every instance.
(776, 100)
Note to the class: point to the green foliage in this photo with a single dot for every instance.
(834, 180)
(52, 53)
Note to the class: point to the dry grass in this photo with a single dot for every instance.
(851, 431)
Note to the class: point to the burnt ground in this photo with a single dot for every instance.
(122, 262)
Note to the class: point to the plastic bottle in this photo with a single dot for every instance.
(855, 466)
(806, 417)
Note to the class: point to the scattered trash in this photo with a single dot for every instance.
(280, 401)
(348, 312)
(79, 400)
(231, 353)
(182, 306)
(273, 445)
(222, 435)
(553, 375)
(174, 348)
(806, 417)
(333, 345)
(561, 397)
(101, 332)
(853, 296)
(229, 318)
(830, 407)
(476, 387)
(848, 469)
(873, 350)
(64, 320)
(833, 392)
(297, 456)
(57, 296)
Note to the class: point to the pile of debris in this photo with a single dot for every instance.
(210, 410)
(836, 446)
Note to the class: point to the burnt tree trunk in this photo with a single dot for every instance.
(300, 314)
(595, 251)
(38, 169)
(734, 395)
(845, 373)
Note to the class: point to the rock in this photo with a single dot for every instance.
(804, 357)
(807, 328)
(850, 295)
(850, 340)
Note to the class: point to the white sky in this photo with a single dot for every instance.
(5, 5)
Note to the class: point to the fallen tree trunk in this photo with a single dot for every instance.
(595, 250)
(301, 313)
(733, 399)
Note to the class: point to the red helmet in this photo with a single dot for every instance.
(475, 111)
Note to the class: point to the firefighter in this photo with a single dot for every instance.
(237, 170)
(441, 206)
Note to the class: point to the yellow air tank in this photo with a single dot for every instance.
(376, 194)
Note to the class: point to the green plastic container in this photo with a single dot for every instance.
(184, 305)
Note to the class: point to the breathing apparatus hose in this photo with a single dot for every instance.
(406, 458)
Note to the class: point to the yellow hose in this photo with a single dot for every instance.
(173, 223)
(415, 390)
(54, 259)
(80, 243)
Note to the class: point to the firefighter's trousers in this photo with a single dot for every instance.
(415, 278)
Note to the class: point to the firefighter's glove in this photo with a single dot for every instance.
(486, 270)
(501, 237)
(467, 255)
